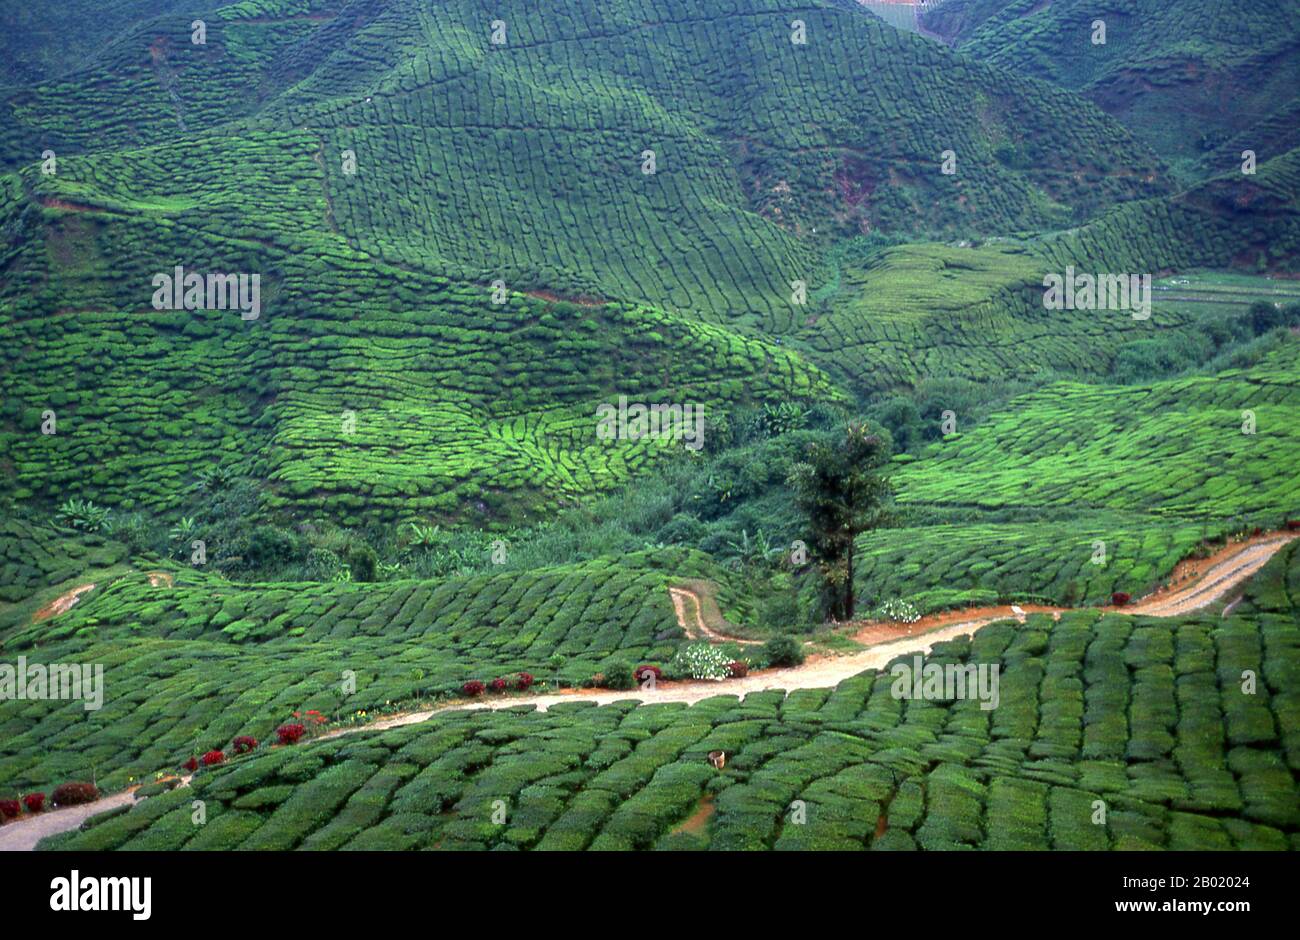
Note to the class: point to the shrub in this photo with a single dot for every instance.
(70, 794)
(290, 734)
(361, 561)
(9, 809)
(270, 547)
(191, 765)
(644, 672)
(213, 757)
(738, 669)
(617, 675)
(702, 661)
(83, 514)
(524, 681)
(1293, 524)
(35, 802)
(499, 684)
(784, 651)
(243, 744)
(473, 687)
(1120, 598)
(898, 610)
(781, 613)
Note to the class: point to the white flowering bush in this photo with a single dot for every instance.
(702, 661)
(898, 610)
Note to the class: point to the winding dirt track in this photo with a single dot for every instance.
(22, 836)
(1224, 571)
(1211, 579)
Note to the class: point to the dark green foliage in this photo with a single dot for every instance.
(784, 651)
(845, 769)
(840, 489)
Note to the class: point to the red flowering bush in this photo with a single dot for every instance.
(498, 684)
(738, 669)
(70, 794)
(290, 734)
(9, 808)
(213, 757)
(35, 802)
(1293, 524)
(473, 687)
(311, 719)
(1120, 598)
(191, 765)
(644, 672)
(243, 744)
(524, 681)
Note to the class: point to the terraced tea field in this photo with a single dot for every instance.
(1183, 76)
(455, 233)
(1146, 716)
(1174, 449)
(197, 660)
(941, 566)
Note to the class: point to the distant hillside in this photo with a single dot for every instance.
(1185, 77)
(380, 168)
(763, 148)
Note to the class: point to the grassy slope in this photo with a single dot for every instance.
(463, 404)
(894, 317)
(762, 139)
(454, 405)
(456, 399)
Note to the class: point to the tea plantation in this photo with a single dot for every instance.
(1112, 732)
(191, 664)
(941, 566)
(1166, 70)
(1178, 448)
(455, 230)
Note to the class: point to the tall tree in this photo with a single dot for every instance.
(841, 490)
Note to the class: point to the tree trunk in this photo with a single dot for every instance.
(848, 585)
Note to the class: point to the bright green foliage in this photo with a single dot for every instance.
(1174, 448)
(33, 558)
(190, 665)
(1146, 716)
(941, 566)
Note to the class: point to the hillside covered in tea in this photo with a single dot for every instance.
(378, 462)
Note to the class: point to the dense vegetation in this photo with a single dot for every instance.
(473, 227)
(1196, 80)
(1149, 717)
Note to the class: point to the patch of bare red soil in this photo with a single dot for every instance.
(62, 603)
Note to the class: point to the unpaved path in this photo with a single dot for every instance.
(695, 626)
(1212, 578)
(22, 836)
(1221, 573)
(64, 602)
